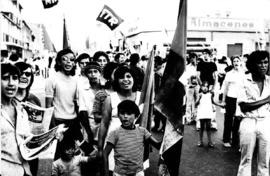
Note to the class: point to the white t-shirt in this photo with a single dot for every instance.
(63, 90)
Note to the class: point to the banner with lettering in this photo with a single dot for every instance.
(49, 3)
(109, 17)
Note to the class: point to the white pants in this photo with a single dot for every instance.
(252, 131)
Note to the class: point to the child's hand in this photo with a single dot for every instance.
(60, 132)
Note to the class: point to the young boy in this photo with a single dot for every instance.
(69, 163)
(128, 142)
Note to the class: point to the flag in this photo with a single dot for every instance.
(147, 101)
(66, 43)
(87, 44)
(49, 3)
(169, 100)
(48, 45)
(109, 17)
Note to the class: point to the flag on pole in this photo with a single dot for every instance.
(109, 17)
(49, 3)
(87, 44)
(48, 45)
(169, 100)
(147, 101)
(66, 43)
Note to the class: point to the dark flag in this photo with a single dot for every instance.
(169, 100)
(147, 101)
(109, 17)
(49, 3)
(66, 43)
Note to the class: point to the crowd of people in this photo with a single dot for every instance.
(97, 99)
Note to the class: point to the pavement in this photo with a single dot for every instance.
(202, 161)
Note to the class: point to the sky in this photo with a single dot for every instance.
(81, 15)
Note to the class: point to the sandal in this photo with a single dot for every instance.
(200, 144)
(211, 145)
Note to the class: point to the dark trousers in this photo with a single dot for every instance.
(230, 109)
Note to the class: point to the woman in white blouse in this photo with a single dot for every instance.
(230, 87)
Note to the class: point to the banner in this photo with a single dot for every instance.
(109, 17)
(39, 118)
(169, 100)
(49, 3)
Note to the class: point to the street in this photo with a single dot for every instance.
(202, 161)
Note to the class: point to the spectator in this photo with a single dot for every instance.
(230, 88)
(69, 163)
(135, 67)
(205, 113)
(61, 93)
(254, 100)
(125, 88)
(25, 83)
(14, 124)
(128, 142)
(120, 58)
(101, 58)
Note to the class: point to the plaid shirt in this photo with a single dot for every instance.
(250, 92)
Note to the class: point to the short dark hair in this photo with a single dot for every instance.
(92, 65)
(134, 58)
(83, 56)
(14, 57)
(98, 54)
(235, 57)
(254, 58)
(119, 73)
(128, 106)
(9, 68)
(59, 56)
(207, 51)
(117, 56)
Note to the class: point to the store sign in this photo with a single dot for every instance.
(222, 24)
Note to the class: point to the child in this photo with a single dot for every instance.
(191, 96)
(69, 163)
(205, 112)
(128, 142)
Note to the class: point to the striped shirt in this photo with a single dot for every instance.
(129, 149)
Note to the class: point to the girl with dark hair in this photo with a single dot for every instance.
(125, 89)
(25, 83)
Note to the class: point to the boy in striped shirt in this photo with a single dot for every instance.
(128, 142)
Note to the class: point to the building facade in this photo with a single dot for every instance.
(228, 36)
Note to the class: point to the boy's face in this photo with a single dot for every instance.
(9, 85)
(69, 153)
(127, 119)
(93, 75)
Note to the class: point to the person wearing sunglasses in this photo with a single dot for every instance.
(25, 82)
